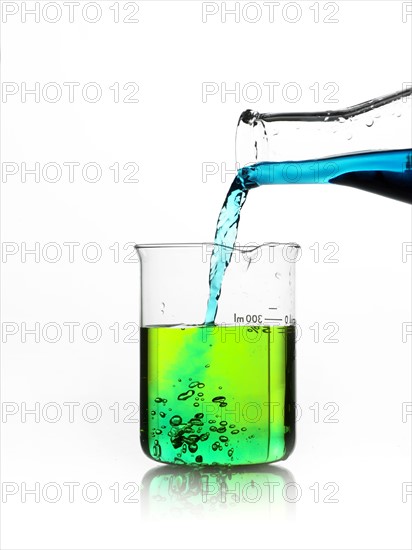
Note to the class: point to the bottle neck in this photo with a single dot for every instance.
(375, 125)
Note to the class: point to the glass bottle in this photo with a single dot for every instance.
(367, 146)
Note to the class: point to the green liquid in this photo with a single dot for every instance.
(218, 395)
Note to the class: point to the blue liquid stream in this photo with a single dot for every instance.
(387, 172)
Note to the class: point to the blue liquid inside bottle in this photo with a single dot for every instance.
(387, 173)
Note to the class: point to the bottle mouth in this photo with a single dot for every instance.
(249, 117)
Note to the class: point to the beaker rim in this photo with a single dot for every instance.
(247, 247)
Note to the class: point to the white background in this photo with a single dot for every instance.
(169, 133)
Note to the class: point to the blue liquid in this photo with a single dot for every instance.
(387, 173)
(225, 236)
(391, 167)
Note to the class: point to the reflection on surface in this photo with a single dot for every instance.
(169, 492)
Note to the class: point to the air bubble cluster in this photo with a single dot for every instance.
(196, 435)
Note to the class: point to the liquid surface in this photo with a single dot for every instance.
(387, 173)
(218, 395)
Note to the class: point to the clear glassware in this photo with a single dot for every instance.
(221, 394)
(367, 146)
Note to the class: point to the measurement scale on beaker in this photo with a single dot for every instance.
(260, 319)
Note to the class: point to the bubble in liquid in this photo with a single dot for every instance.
(212, 421)
(199, 458)
(207, 366)
(231, 451)
(186, 395)
(199, 415)
(195, 422)
(175, 420)
(213, 429)
(159, 400)
(158, 432)
(200, 394)
(234, 432)
(223, 423)
(153, 413)
(220, 387)
(162, 414)
(215, 446)
(193, 447)
(157, 450)
(221, 430)
(218, 398)
(231, 425)
(204, 436)
(369, 123)
(223, 438)
(243, 429)
(196, 385)
(195, 404)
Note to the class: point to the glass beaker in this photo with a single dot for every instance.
(220, 394)
(367, 146)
